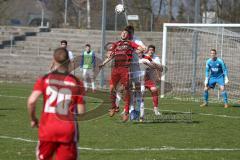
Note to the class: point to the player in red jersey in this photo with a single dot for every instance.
(121, 52)
(63, 100)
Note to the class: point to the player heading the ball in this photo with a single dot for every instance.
(121, 52)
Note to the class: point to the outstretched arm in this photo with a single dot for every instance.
(141, 49)
(108, 59)
(157, 66)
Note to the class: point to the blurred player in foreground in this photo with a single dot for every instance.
(63, 101)
(121, 53)
(135, 74)
(216, 73)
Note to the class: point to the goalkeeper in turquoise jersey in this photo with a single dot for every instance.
(216, 73)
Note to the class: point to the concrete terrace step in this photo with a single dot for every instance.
(98, 35)
(24, 57)
(67, 36)
(54, 41)
(29, 52)
(33, 61)
(94, 32)
(75, 43)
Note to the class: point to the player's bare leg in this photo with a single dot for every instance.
(93, 85)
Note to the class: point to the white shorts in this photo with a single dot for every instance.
(88, 73)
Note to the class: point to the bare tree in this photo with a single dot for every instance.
(228, 10)
(170, 6)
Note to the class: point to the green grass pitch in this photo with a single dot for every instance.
(214, 133)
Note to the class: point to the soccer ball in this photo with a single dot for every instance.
(119, 8)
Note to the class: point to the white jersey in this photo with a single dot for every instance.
(70, 55)
(134, 66)
(150, 73)
(138, 41)
(143, 68)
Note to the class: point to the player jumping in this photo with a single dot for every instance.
(121, 53)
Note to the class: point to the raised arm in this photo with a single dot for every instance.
(141, 49)
(157, 64)
(108, 59)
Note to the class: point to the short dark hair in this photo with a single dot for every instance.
(130, 29)
(64, 41)
(88, 45)
(61, 56)
(151, 46)
(214, 50)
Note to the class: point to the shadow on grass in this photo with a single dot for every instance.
(170, 122)
(7, 109)
(236, 105)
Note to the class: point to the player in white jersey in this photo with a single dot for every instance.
(153, 76)
(63, 44)
(136, 75)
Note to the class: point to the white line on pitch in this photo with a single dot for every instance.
(159, 149)
(163, 148)
(13, 96)
(18, 138)
(216, 115)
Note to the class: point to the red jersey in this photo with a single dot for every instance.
(123, 53)
(61, 94)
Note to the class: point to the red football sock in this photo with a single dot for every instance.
(127, 101)
(113, 99)
(155, 98)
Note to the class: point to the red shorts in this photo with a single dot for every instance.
(110, 82)
(120, 74)
(149, 84)
(62, 151)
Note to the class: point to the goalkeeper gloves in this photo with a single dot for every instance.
(226, 80)
(206, 81)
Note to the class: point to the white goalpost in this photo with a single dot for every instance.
(185, 49)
